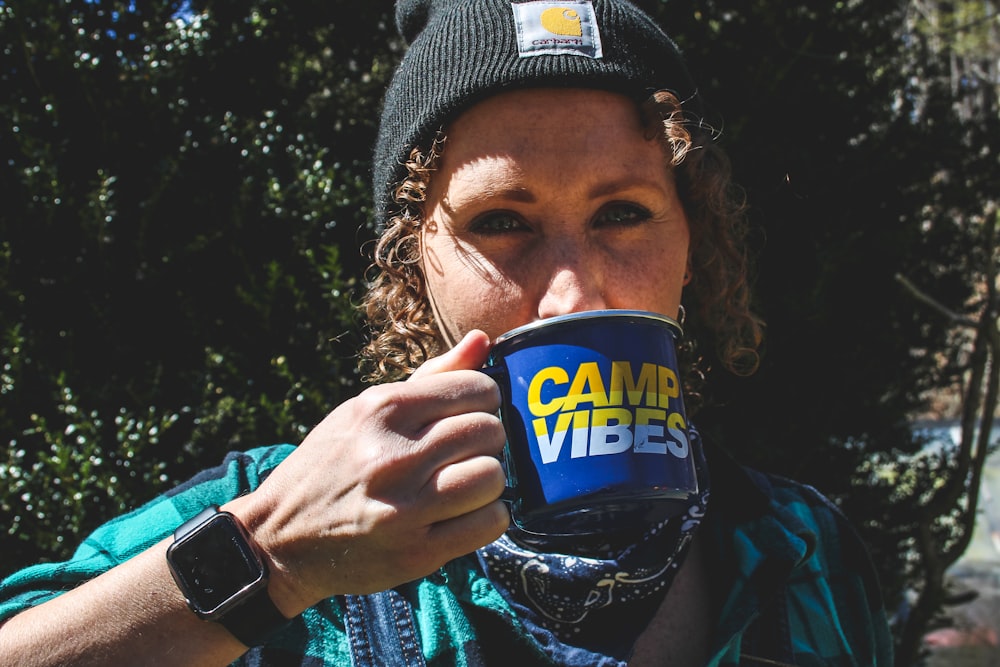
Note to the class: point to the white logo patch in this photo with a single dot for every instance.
(557, 28)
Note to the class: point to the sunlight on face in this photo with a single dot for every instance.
(548, 202)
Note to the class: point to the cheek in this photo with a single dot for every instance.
(464, 305)
(650, 278)
(468, 292)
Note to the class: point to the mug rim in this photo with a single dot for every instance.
(610, 313)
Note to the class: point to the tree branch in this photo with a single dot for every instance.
(920, 295)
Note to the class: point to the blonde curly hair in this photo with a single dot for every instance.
(403, 333)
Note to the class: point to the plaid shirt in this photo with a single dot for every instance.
(794, 585)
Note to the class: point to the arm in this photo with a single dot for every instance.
(386, 489)
(131, 611)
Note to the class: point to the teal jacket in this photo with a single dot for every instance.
(792, 585)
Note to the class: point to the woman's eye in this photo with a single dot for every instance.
(497, 222)
(621, 215)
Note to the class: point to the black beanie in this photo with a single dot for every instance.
(462, 51)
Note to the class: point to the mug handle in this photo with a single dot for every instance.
(499, 375)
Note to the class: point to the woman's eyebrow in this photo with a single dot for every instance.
(623, 184)
(510, 191)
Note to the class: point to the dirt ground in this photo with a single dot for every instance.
(974, 640)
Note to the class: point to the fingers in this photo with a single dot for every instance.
(460, 488)
(450, 456)
(447, 385)
(437, 544)
(465, 533)
(463, 436)
(469, 354)
(410, 408)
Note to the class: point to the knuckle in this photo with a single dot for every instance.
(378, 400)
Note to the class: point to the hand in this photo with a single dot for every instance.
(388, 487)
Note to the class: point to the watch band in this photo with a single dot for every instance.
(255, 620)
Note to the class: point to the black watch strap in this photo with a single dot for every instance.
(254, 621)
(256, 618)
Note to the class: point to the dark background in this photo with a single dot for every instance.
(185, 189)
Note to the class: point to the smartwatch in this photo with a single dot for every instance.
(223, 576)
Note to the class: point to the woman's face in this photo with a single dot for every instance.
(547, 202)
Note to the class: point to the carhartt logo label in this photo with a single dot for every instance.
(557, 28)
(562, 21)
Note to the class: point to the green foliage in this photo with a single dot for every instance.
(79, 462)
(185, 190)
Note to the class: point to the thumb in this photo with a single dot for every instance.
(470, 353)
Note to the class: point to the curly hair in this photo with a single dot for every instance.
(403, 333)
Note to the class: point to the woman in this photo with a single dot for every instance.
(535, 159)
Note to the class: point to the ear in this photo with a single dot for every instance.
(687, 273)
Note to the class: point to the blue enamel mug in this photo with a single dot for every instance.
(594, 415)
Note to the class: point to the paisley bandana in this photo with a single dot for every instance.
(602, 600)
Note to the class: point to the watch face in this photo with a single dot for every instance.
(214, 563)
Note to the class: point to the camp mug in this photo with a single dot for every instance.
(594, 416)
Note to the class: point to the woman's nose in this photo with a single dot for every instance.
(574, 283)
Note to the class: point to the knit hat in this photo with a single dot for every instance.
(462, 51)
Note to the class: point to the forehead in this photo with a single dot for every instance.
(535, 144)
(552, 131)
(547, 116)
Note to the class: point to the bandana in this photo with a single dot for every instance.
(603, 600)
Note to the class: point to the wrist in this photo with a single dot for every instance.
(224, 577)
(284, 584)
